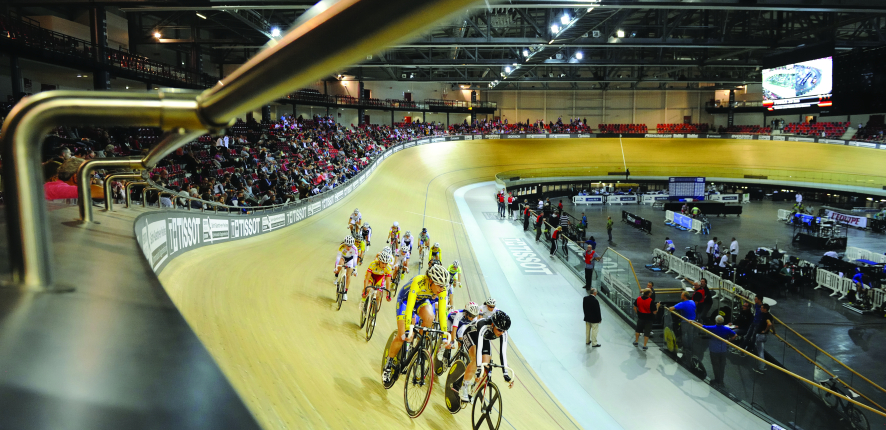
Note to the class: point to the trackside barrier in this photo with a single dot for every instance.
(675, 265)
(745, 198)
(728, 198)
(692, 272)
(587, 200)
(669, 216)
(878, 297)
(621, 200)
(697, 226)
(784, 214)
(648, 199)
(853, 253)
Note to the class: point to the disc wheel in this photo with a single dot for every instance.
(419, 382)
(670, 339)
(384, 359)
(486, 413)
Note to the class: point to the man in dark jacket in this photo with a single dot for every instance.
(539, 223)
(592, 318)
(525, 214)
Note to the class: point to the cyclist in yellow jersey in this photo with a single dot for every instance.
(394, 235)
(418, 296)
(346, 257)
(379, 274)
(454, 278)
(361, 247)
(436, 253)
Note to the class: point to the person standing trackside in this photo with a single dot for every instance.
(645, 315)
(752, 331)
(765, 328)
(718, 348)
(539, 223)
(593, 318)
(510, 205)
(686, 308)
(733, 250)
(710, 250)
(501, 204)
(609, 228)
(590, 259)
(555, 237)
(525, 214)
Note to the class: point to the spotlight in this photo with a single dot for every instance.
(590, 9)
(555, 28)
(564, 19)
(275, 31)
(201, 15)
(620, 33)
(579, 55)
(526, 53)
(157, 35)
(508, 69)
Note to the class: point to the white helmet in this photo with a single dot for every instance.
(356, 211)
(404, 248)
(386, 258)
(472, 308)
(489, 302)
(408, 233)
(396, 224)
(349, 240)
(366, 225)
(439, 275)
(455, 264)
(436, 244)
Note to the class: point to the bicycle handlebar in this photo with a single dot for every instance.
(490, 364)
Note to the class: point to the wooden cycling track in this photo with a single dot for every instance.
(264, 307)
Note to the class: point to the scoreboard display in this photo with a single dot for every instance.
(686, 187)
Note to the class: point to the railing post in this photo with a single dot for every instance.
(84, 181)
(127, 190)
(109, 205)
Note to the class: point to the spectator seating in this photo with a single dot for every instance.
(819, 129)
(623, 128)
(681, 128)
(748, 129)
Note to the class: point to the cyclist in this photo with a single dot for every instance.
(394, 235)
(378, 274)
(407, 240)
(669, 246)
(488, 308)
(417, 297)
(488, 329)
(424, 239)
(435, 253)
(361, 247)
(366, 231)
(454, 277)
(402, 260)
(348, 252)
(354, 221)
(458, 322)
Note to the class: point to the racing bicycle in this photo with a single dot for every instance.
(845, 408)
(416, 362)
(370, 308)
(341, 285)
(485, 396)
(422, 252)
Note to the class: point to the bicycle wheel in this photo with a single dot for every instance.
(364, 312)
(857, 419)
(664, 264)
(384, 359)
(487, 408)
(370, 320)
(419, 382)
(340, 290)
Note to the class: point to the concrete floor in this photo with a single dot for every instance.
(856, 340)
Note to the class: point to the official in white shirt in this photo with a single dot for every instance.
(733, 249)
(724, 260)
(710, 251)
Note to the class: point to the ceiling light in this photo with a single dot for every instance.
(275, 31)
(555, 28)
(579, 55)
(127, 87)
(508, 69)
(79, 76)
(620, 33)
(201, 15)
(590, 9)
(344, 83)
(525, 52)
(564, 19)
(157, 35)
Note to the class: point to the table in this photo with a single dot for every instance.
(868, 262)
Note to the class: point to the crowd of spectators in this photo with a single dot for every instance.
(682, 128)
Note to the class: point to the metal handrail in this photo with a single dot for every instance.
(327, 37)
(84, 183)
(127, 188)
(779, 368)
(109, 200)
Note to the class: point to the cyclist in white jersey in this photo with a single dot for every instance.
(669, 245)
(354, 221)
(401, 260)
(407, 240)
(488, 308)
(347, 252)
(458, 322)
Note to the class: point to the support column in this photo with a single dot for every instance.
(730, 118)
(447, 119)
(473, 114)
(196, 63)
(361, 113)
(98, 29)
(266, 114)
(392, 117)
(15, 71)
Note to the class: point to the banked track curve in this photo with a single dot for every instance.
(264, 306)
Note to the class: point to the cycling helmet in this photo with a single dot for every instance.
(386, 258)
(472, 309)
(404, 248)
(408, 233)
(349, 240)
(436, 244)
(356, 211)
(439, 275)
(489, 302)
(396, 224)
(501, 320)
(424, 230)
(455, 264)
(358, 236)
(366, 225)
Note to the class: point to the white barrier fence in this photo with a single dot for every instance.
(697, 226)
(648, 199)
(853, 253)
(784, 214)
(842, 285)
(588, 200)
(728, 198)
(669, 216)
(745, 198)
(621, 200)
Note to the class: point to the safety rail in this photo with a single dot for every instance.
(348, 29)
(735, 294)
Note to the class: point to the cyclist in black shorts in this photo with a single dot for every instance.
(480, 333)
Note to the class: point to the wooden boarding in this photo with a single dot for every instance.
(264, 307)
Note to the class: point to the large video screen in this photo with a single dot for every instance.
(799, 85)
